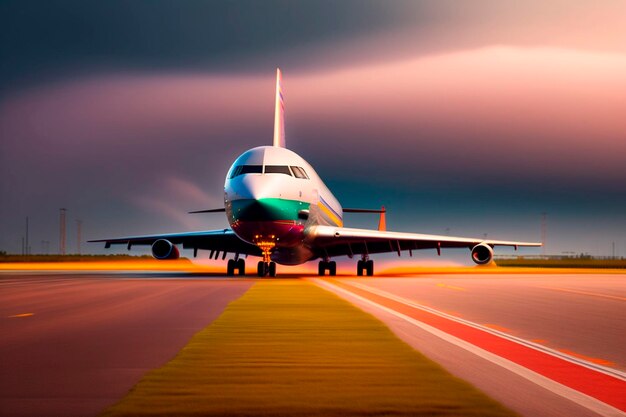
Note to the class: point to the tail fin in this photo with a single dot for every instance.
(279, 112)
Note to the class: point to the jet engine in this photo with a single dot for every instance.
(482, 254)
(164, 249)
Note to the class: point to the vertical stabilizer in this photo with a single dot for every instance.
(279, 112)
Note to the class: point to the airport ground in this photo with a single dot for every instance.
(75, 343)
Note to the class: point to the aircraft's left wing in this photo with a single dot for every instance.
(337, 241)
(223, 240)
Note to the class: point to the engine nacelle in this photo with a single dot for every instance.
(164, 249)
(482, 254)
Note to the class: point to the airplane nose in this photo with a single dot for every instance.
(253, 188)
(259, 198)
(250, 209)
(267, 209)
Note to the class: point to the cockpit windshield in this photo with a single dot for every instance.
(246, 169)
(277, 169)
(297, 172)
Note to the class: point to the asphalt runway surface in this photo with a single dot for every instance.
(73, 344)
(582, 316)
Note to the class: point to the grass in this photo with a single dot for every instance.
(291, 348)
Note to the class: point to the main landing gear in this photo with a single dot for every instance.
(330, 266)
(366, 265)
(266, 268)
(236, 265)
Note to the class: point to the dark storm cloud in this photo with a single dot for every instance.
(44, 37)
(50, 39)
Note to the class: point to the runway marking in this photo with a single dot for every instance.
(19, 316)
(497, 327)
(592, 294)
(453, 313)
(599, 361)
(593, 386)
(450, 287)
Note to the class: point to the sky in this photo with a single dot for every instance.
(465, 118)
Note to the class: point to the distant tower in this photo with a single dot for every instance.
(27, 244)
(62, 231)
(544, 230)
(79, 232)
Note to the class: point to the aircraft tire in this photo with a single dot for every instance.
(230, 268)
(359, 268)
(332, 268)
(369, 266)
(261, 270)
(321, 268)
(271, 269)
(240, 265)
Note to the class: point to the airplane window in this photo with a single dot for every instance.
(236, 171)
(299, 172)
(246, 169)
(251, 169)
(277, 169)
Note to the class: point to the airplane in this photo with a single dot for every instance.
(279, 209)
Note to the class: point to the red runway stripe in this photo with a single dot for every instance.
(595, 384)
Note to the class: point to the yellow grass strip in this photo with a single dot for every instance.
(290, 348)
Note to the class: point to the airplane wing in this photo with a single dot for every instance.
(223, 240)
(337, 241)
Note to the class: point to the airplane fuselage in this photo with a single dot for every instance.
(271, 196)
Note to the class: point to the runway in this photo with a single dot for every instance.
(72, 345)
(579, 317)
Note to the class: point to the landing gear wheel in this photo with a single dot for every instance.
(360, 266)
(230, 268)
(321, 268)
(332, 268)
(272, 269)
(369, 266)
(261, 269)
(240, 265)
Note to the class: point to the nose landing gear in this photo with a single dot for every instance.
(266, 268)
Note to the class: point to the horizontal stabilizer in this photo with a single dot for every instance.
(356, 210)
(382, 221)
(217, 210)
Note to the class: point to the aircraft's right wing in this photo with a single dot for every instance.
(337, 241)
